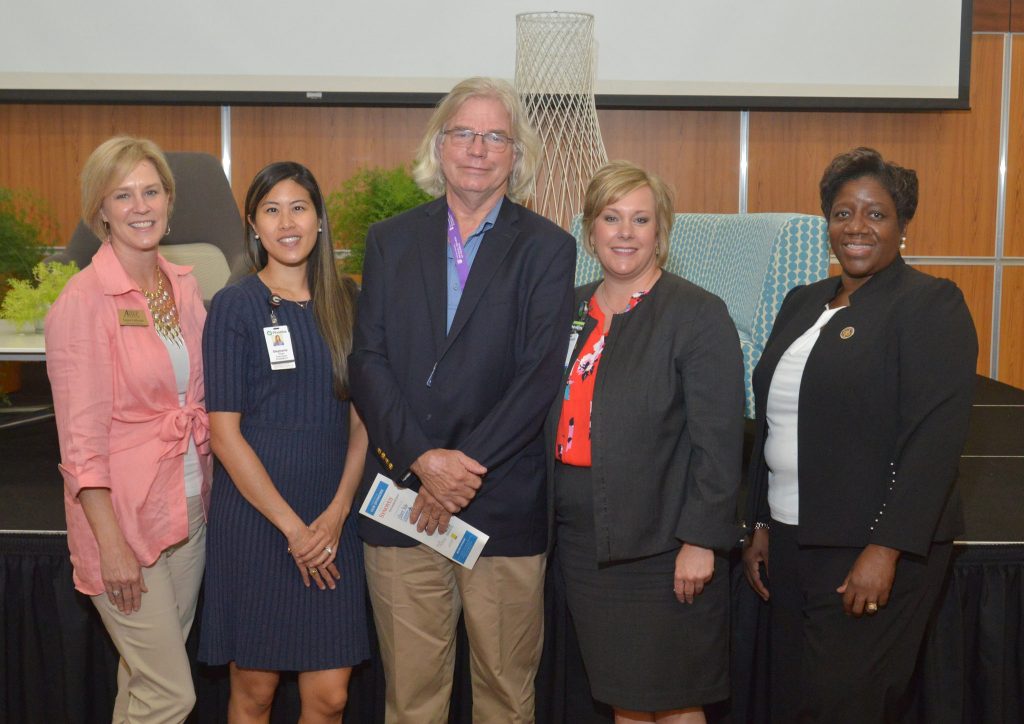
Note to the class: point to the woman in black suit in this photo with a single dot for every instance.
(863, 395)
(646, 442)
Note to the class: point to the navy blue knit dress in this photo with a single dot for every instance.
(256, 610)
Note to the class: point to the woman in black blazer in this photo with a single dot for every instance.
(646, 442)
(863, 394)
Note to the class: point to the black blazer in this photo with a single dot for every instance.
(666, 423)
(884, 403)
(482, 388)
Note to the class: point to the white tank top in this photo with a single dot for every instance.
(180, 362)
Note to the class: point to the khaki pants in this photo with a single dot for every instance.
(417, 595)
(154, 679)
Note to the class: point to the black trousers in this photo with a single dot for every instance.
(826, 666)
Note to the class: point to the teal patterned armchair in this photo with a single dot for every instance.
(749, 260)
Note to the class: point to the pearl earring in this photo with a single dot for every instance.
(903, 242)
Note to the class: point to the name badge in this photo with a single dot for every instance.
(279, 347)
(132, 317)
(574, 336)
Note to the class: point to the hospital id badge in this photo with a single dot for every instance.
(574, 336)
(279, 347)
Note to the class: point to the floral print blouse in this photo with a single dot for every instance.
(572, 438)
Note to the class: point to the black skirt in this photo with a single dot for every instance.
(643, 650)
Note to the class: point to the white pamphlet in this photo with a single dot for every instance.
(390, 505)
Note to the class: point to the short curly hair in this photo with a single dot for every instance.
(899, 182)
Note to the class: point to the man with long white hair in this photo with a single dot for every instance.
(460, 341)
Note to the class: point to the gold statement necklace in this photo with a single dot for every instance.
(165, 314)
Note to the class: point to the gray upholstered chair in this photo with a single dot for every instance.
(206, 228)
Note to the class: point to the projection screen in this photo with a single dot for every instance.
(651, 53)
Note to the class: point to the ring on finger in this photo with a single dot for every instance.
(871, 607)
(313, 571)
(115, 594)
(329, 551)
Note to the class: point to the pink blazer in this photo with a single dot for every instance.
(118, 418)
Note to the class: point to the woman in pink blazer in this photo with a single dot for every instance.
(123, 351)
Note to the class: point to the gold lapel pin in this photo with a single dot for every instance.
(846, 333)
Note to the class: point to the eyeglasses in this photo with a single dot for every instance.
(464, 138)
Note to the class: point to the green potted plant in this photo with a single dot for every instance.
(27, 303)
(369, 196)
(27, 229)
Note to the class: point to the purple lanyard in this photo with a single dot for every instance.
(455, 243)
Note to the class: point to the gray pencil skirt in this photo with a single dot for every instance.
(643, 650)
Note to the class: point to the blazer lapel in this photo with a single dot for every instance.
(496, 244)
(433, 263)
(583, 295)
(799, 323)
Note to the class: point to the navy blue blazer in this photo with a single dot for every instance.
(883, 410)
(485, 386)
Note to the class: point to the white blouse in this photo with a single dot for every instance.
(780, 447)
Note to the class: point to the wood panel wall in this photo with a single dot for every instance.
(332, 142)
(956, 154)
(44, 146)
(993, 15)
(1014, 232)
(698, 152)
(1011, 344)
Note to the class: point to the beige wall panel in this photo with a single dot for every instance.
(1011, 339)
(1014, 234)
(955, 153)
(332, 142)
(697, 152)
(44, 146)
(976, 284)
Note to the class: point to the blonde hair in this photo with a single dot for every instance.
(526, 143)
(613, 181)
(108, 164)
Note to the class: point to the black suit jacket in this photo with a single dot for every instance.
(666, 423)
(482, 388)
(883, 409)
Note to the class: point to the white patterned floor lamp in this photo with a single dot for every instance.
(555, 66)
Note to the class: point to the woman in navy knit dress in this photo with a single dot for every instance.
(284, 580)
